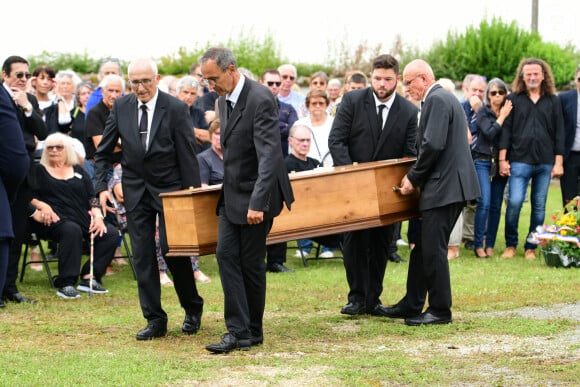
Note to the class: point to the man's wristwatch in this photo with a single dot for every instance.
(27, 108)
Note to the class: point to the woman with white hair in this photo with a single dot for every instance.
(64, 209)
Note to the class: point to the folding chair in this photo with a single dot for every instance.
(44, 259)
(123, 233)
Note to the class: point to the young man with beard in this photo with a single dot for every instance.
(371, 124)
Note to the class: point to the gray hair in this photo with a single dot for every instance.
(222, 57)
(187, 81)
(112, 78)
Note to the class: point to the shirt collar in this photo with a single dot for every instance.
(233, 97)
(388, 103)
(151, 103)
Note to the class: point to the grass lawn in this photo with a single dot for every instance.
(91, 341)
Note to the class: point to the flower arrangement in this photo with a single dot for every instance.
(560, 241)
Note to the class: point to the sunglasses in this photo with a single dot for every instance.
(55, 147)
(494, 93)
(288, 77)
(21, 75)
(271, 83)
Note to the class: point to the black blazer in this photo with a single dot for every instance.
(14, 161)
(569, 102)
(356, 137)
(255, 175)
(168, 165)
(444, 168)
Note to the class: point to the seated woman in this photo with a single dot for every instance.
(63, 200)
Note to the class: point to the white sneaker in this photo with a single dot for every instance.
(327, 254)
(401, 242)
(298, 255)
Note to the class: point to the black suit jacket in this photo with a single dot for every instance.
(255, 175)
(355, 135)
(168, 165)
(444, 168)
(14, 161)
(569, 102)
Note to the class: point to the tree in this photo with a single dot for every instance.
(494, 49)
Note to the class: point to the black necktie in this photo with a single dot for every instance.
(380, 117)
(143, 126)
(230, 107)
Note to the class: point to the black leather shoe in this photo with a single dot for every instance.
(278, 268)
(353, 308)
(152, 330)
(427, 318)
(394, 311)
(191, 324)
(469, 245)
(2, 304)
(256, 340)
(394, 257)
(18, 298)
(229, 343)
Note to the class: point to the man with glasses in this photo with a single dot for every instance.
(157, 156)
(445, 178)
(254, 188)
(287, 94)
(15, 74)
(569, 180)
(372, 124)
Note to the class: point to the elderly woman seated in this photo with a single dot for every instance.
(64, 209)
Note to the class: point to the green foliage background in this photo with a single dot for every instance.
(493, 48)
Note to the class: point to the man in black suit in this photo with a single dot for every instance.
(14, 165)
(254, 188)
(445, 175)
(157, 156)
(569, 180)
(371, 124)
(15, 74)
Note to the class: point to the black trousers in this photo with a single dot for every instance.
(71, 238)
(241, 249)
(429, 267)
(365, 262)
(20, 226)
(569, 180)
(141, 223)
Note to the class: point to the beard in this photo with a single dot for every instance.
(384, 93)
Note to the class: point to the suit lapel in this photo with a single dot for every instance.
(237, 112)
(371, 113)
(160, 110)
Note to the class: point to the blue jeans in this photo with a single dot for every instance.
(482, 167)
(520, 176)
(488, 210)
(498, 184)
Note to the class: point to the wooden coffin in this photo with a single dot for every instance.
(328, 200)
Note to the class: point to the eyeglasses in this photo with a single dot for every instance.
(496, 92)
(270, 83)
(317, 103)
(58, 147)
(288, 77)
(145, 82)
(21, 75)
(302, 140)
(408, 83)
(212, 80)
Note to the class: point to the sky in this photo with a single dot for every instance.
(305, 31)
